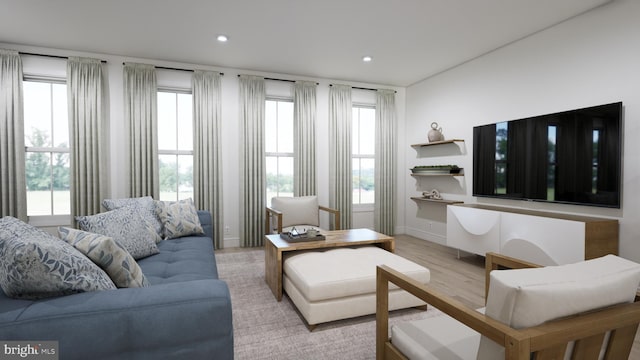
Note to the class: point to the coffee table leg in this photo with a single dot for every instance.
(273, 269)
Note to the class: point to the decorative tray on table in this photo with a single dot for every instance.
(300, 237)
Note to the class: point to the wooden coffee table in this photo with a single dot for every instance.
(276, 249)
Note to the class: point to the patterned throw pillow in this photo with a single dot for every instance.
(126, 227)
(108, 254)
(38, 265)
(147, 208)
(179, 218)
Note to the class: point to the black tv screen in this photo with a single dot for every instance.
(571, 157)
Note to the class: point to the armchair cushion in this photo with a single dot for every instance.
(297, 210)
(437, 337)
(522, 298)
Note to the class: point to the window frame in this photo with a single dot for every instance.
(277, 154)
(50, 219)
(363, 207)
(177, 152)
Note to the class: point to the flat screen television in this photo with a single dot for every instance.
(571, 157)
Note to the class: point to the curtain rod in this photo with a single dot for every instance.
(176, 69)
(52, 56)
(285, 80)
(363, 88)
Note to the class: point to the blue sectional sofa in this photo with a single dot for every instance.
(184, 314)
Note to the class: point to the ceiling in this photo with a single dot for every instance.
(409, 40)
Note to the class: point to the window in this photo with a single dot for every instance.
(363, 158)
(279, 148)
(46, 130)
(175, 145)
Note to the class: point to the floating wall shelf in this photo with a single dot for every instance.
(435, 174)
(444, 202)
(437, 143)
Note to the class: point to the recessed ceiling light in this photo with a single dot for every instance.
(367, 58)
(222, 38)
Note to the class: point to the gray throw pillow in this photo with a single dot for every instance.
(108, 254)
(36, 264)
(126, 227)
(179, 218)
(145, 204)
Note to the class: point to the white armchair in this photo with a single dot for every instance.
(583, 310)
(301, 212)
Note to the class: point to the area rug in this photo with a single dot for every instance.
(267, 329)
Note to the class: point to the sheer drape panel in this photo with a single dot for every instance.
(385, 160)
(207, 159)
(340, 174)
(140, 103)
(304, 138)
(87, 135)
(13, 188)
(252, 204)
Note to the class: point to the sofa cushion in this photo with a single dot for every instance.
(126, 227)
(297, 210)
(146, 206)
(521, 298)
(108, 254)
(179, 218)
(37, 265)
(183, 259)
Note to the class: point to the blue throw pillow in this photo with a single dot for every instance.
(36, 264)
(126, 227)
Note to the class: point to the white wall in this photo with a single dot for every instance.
(35, 65)
(589, 60)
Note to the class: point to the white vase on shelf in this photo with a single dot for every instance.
(435, 134)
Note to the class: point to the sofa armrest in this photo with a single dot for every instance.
(207, 222)
(175, 320)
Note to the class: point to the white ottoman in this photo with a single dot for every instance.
(341, 283)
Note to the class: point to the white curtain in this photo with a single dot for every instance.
(340, 174)
(87, 135)
(385, 170)
(304, 137)
(207, 158)
(140, 103)
(253, 199)
(13, 188)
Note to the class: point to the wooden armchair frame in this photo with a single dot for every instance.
(273, 212)
(546, 341)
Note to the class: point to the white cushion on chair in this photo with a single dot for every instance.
(529, 297)
(438, 337)
(297, 210)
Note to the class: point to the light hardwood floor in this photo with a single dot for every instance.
(461, 278)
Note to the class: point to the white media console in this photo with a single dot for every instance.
(541, 237)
